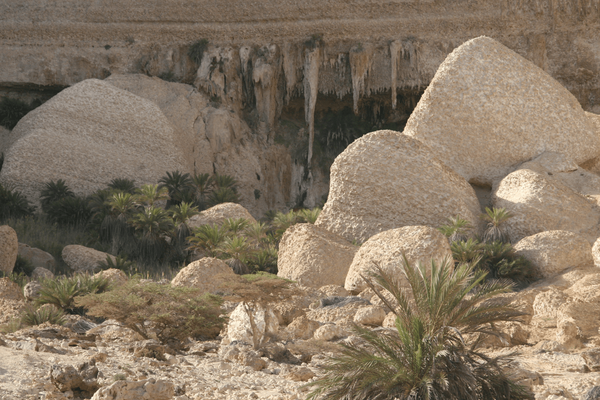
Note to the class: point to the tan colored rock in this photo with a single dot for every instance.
(389, 321)
(313, 256)
(10, 290)
(300, 374)
(207, 274)
(9, 248)
(302, 328)
(114, 276)
(82, 134)
(342, 311)
(387, 180)
(218, 214)
(255, 331)
(539, 203)
(148, 389)
(83, 259)
(38, 258)
(41, 273)
(243, 355)
(586, 289)
(420, 244)
(31, 291)
(487, 110)
(552, 252)
(596, 253)
(330, 332)
(547, 303)
(370, 315)
(333, 290)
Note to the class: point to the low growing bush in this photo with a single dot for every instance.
(174, 313)
(62, 291)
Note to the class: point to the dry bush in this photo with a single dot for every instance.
(174, 313)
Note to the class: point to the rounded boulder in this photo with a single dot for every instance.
(207, 274)
(313, 256)
(419, 244)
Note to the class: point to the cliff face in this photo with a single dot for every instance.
(307, 62)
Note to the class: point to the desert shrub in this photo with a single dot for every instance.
(70, 211)
(23, 266)
(62, 291)
(197, 49)
(433, 352)
(12, 110)
(37, 316)
(13, 204)
(172, 312)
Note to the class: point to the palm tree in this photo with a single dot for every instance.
(54, 191)
(310, 216)
(122, 185)
(457, 229)
(154, 225)
(208, 239)
(257, 232)
(122, 206)
(150, 194)
(237, 249)
(180, 187)
(496, 226)
(234, 225)
(222, 195)
(432, 353)
(203, 184)
(181, 214)
(225, 181)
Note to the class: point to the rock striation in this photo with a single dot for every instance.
(387, 180)
(313, 256)
(487, 110)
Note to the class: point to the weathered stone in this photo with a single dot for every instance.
(370, 315)
(592, 394)
(10, 290)
(113, 275)
(83, 377)
(300, 374)
(218, 214)
(9, 248)
(487, 110)
(547, 303)
(419, 244)
(313, 256)
(38, 258)
(243, 355)
(207, 274)
(334, 290)
(82, 133)
(389, 321)
(330, 332)
(83, 259)
(31, 291)
(251, 324)
(387, 180)
(552, 252)
(337, 309)
(539, 203)
(41, 273)
(149, 389)
(302, 328)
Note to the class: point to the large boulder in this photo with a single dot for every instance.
(88, 135)
(487, 109)
(83, 259)
(218, 214)
(207, 274)
(387, 180)
(419, 244)
(38, 258)
(540, 203)
(313, 256)
(552, 252)
(9, 248)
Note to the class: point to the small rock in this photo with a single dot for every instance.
(243, 355)
(41, 273)
(32, 290)
(301, 374)
(329, 332)
(302, 328)
(370, 315)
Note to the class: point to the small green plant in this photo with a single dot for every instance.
(496, 225)
(32, 316)
(62, 291)
(197, 49)
(457, 229)
(174, 313)
(433, 352)
(11, 326)
(120, 263)
(119, 377)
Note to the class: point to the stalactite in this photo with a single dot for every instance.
(265, 76)
(312, 60)
(395, 49)
(360, 64)
(291, 61)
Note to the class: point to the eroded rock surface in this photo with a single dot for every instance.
(9, 248)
